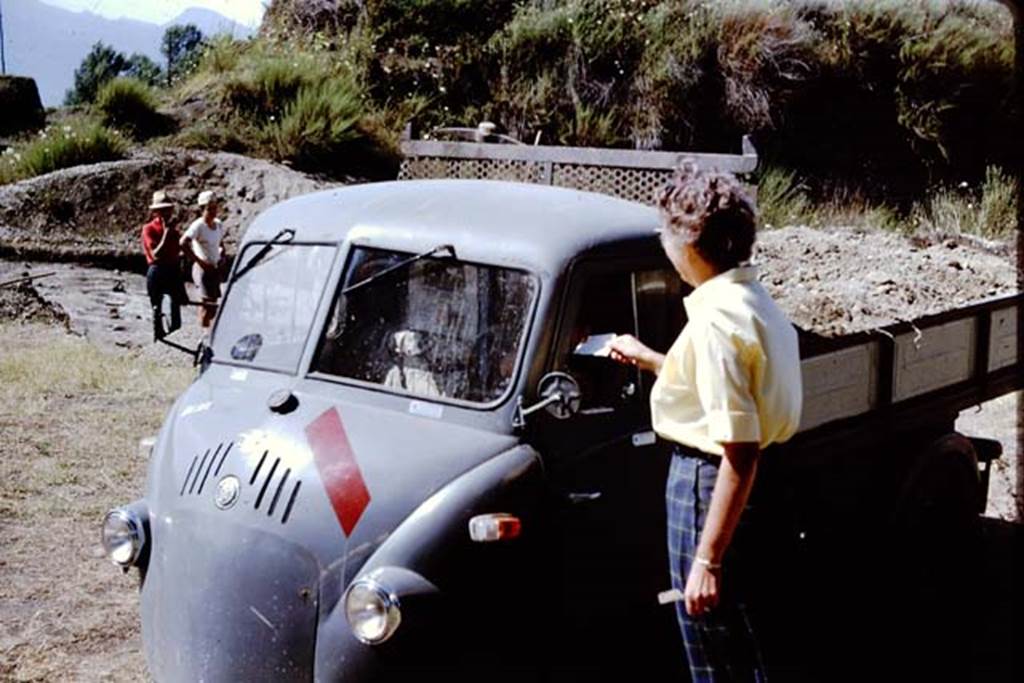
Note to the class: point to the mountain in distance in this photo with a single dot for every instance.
(209, 22)
(48, 43)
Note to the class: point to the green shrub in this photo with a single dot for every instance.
(264, 89)
(781, 198)
(221, 54)
(61, 147)
(567, 71)
(319, 125)
(988, 211)
(876, 99)
(303, 107)
(216, 137)
(130, 104)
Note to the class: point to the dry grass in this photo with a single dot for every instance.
(71, 416)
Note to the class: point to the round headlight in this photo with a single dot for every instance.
(372, 612)
(123, 537)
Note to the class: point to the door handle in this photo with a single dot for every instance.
(584, 497)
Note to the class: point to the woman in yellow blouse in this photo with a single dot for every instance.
(729, 386)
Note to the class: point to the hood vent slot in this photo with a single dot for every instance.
(291, 502)
(199, 470)
(271, 493)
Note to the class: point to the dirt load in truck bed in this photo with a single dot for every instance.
(839, 281)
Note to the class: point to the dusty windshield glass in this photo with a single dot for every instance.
(267, 314)
(438, 328)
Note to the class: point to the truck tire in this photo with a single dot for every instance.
(941, 487)
(935, 556)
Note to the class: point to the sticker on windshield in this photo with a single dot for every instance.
(424, 409)
(247, 347)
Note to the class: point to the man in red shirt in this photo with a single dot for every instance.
(163, 277)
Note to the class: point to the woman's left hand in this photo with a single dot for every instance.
(702, 589)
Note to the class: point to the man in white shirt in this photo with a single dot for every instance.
(203, 241)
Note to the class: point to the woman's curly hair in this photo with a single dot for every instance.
(712, 211)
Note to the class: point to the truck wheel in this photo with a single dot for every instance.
(940, 493)
(935, 561)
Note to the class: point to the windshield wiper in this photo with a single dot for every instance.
(283, 237)
(449, 252)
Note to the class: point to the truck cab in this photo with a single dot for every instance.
(364, 443)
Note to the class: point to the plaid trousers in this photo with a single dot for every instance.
(721, 645)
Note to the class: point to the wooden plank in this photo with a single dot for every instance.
(839, 385)
(1003, 348)
(939, 356)
(585, 156)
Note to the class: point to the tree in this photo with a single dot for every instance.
(143, 68)
(99, 66)
(181, 47)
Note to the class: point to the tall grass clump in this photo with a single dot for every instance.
(566, 70)
(304, 107)
(60, 147)
(320, 124)
(989, 210)
(781, 198)
(262, 88)
(131, 105)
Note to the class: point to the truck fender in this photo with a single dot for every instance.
(431, 561)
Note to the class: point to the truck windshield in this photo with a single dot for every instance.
(439, 328)
(266, 316)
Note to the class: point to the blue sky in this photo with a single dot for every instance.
(246, 12)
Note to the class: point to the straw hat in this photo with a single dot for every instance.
(205, 197)
(160, 201)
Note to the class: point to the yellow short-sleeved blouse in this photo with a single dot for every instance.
(733, 374)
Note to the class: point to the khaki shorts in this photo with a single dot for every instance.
(207, 282)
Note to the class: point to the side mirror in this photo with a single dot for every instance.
(560, 395)
(202, 356)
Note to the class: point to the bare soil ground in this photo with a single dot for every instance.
(71, 415)
(94, 212)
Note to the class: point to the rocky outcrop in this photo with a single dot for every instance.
(20, 104)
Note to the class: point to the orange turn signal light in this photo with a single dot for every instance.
(494, 527)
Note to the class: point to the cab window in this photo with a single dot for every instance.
(645, 303)
(436, 328)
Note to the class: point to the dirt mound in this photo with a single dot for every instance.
(94, 212)
(23, 303)
(835, 282)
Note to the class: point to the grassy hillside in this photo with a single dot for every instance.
(889, 110)
(888, 96)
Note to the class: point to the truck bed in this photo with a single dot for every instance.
(941, 363)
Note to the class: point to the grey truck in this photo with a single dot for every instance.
(394, 463)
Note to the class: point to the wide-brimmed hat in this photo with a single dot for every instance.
(205, 197)
(160, 201)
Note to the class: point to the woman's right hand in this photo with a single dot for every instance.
(625, 348)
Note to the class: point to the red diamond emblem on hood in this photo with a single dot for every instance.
(338, 469)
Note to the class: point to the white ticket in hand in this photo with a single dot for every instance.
(673, 595)
(595, 345)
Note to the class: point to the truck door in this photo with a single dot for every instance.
(607, 477)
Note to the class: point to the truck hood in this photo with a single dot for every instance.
(334, 474)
